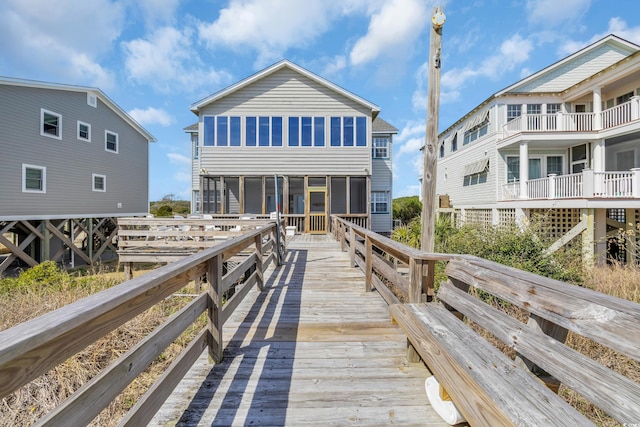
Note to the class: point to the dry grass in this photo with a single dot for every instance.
(34, 400)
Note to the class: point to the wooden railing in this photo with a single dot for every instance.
(32, 348)
(481, 380)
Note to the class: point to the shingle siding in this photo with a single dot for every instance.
(70, 162)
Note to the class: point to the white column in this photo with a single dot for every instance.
(524, 169)
(552, 186)
(597, 109)
(635, 107)
(598, 155)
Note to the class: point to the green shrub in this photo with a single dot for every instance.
(164, 210)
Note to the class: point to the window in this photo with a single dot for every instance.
(552, 119)
(476, 132)
(194, 143)
(294, 131)
(318, 131)
(513, 169)
(99, 182)
(250, 125)
(513, 111)
(263, 132)
(348, 131)
(442, 150)
(110, 141)
(578, 158)
(534, 108)
(624, 98)
(209, 125)
(84, 131)
(50, 124)
(306, 131)
(269, 132)
(361, 131)
(380, 148)
(379, 202)
(476, 172)
(553, 108)
(276, 131)
(34, 179)
(234, 131)
(454, 142)
(222, 131)
(554, 165)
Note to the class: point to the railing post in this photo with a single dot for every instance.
(343, 240)
(214, 338)
(587, 183)
(552, 186)
(635, 183)
(259, 268)
(368, 270)
(416, 275)
(560, 121)
(352, 246)
(635, 107)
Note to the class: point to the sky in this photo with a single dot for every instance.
(155, 58)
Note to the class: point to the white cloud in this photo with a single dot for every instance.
(512, 53)
(616, 26)
(66, 41)
(270, 27)
(167, 61)
(151, 116)
(179, 159)
(409, 190)
(156, 12)
(335, 65)
(553, 13)
(410, 139)
(392, 30)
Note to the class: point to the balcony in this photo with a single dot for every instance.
(575, 122)
(585, 185)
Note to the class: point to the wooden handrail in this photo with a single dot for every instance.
(34, 347)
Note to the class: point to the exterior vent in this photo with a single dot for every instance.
(92, 100)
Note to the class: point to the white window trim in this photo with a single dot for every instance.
(106, 132)
(48, 135)
(386, 147)
(93, 182)
(24, 178)
(374, 201)
(88, 139)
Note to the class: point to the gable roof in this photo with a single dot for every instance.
(195, 107)
(626, 48)
(576, 67)
(381, 126)
(11, 81)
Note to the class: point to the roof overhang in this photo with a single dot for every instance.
(195, 107)
(9, 81)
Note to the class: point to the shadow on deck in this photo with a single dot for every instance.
(313, 348)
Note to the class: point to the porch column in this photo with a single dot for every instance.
(588, 237)
(524, 169)
(241, 184)
(597, 110)
(600, 236)
(598, 155)
(631, 234)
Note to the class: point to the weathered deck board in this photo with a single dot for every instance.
(312, 349)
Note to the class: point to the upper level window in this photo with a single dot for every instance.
(84, 131)
(269, 131)
(250, 127)
(194, 143)
(534, 108)
(99, 182)
(513, 111)
(379, 202)
(441, 150)
(624, 98)
(476, 132)
(347, 130)
(110, 141)
(553, 108)
(221, 131)
(34, 179)
(454, 142)
(50, 124)
(380, 148)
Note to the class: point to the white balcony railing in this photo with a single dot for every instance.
(575, 122)
(585, 185)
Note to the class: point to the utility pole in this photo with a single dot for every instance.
(430, 152)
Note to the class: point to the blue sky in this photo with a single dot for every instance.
(156, 57)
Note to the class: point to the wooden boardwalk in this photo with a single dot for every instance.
(312, 349)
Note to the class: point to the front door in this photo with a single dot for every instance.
(317, 210)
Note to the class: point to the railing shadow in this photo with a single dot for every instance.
(273, 320)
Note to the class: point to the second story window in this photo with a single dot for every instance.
(454, 142)
(99, 182)
(513, 111)
(110, 141)
(50, 124)
(380, 148)
(84, 131)
(34, 179)
(346, 130)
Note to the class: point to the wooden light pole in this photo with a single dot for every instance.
(430, 155)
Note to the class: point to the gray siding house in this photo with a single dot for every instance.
(563, 143)
(315, 136)
(72, 162)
